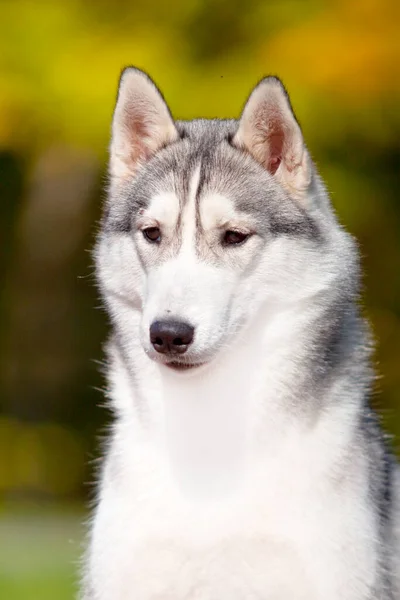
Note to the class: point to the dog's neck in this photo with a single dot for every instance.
(210, 421)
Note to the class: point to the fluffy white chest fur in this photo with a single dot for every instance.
(217, 490)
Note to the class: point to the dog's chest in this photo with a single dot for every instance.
(187, 518)
(237, 547)
(238, 568)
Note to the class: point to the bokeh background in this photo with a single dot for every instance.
(59, 66)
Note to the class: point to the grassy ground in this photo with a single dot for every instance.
(39, 553)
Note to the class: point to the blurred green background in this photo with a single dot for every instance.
(59, 66)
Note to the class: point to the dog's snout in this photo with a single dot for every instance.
(171, 337)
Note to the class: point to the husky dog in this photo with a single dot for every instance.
(245, 461)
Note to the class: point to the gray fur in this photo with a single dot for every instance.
(224, 169)
(329, 368)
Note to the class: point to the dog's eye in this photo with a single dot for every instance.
(234, 238)
(152, 234)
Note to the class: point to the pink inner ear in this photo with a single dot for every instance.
(275, 142)
(138, 132)
(273, 165)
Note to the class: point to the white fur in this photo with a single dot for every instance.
(225, 496)
(234, 480)
(218, 485)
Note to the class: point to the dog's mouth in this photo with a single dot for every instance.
(182, 366)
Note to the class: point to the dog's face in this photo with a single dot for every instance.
(206, 221)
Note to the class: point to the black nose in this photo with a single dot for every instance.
(171, 337)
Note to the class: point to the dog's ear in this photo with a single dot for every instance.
(142, 124)
(269, 131)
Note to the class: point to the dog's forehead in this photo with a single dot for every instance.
(227, 181)
(212, 206)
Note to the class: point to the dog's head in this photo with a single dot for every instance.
(207, 221)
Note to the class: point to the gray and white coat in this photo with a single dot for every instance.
(245, 461)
